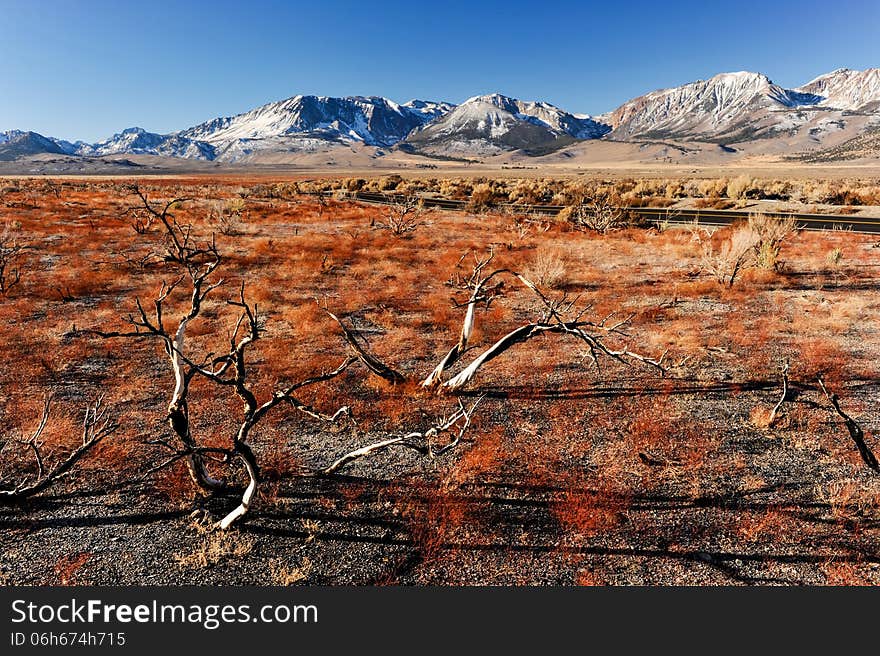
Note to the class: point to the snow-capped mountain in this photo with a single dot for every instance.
(837, 112)
(495, 123)
(729, 107)
(17, 143)
(846, 89)
(310, 122)
(428, 109)
(744, 106)
(137, 141)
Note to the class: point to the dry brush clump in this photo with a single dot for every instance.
(600, 213)
(758, 243)
(227, 217)
(548, 268)
(720, 193)
(12, 252)
(770, 233)
(403, 217)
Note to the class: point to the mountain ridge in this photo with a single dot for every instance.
(729, 108)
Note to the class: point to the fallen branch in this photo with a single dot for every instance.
(415, 441)
(552, 320)
(370, 361)
(855, 431)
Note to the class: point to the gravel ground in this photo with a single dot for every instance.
(396, 520)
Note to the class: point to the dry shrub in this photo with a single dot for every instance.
(482, 196)
(526, 192)
(757, 243)
(850, 500)
(770, 233)
(600, 213)
(215, 547)
(714, 188)
(741, 187)
(547, 268)
(285, 574)
(760, 416)
(389, 182)
(225, 217)
(735, 253)
(834, 257)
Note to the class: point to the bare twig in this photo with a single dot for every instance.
(774, 414)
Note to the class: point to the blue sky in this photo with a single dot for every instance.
(86, 69)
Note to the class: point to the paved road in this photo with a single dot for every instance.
(703, 216)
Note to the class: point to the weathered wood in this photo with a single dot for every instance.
(421, 442)
(370, 361)
(97, 425)
(855, 431)
(774, 414)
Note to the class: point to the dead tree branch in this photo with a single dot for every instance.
(370, 361)
(97, 425)
(855, 431)
(557, 316)
(774, 414)
(480, 293)
(421, 442)
(180, 245)
(228, 370)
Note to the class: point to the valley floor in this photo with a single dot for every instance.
(568, 474)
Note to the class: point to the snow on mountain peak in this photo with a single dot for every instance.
(303, 120)
(845, 88)
(729, 107)
(494, 122)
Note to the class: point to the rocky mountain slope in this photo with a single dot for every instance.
(15, 144)
(733, 108)
(308, 123)
(487, 125)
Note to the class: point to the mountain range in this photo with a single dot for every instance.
(836, 115)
